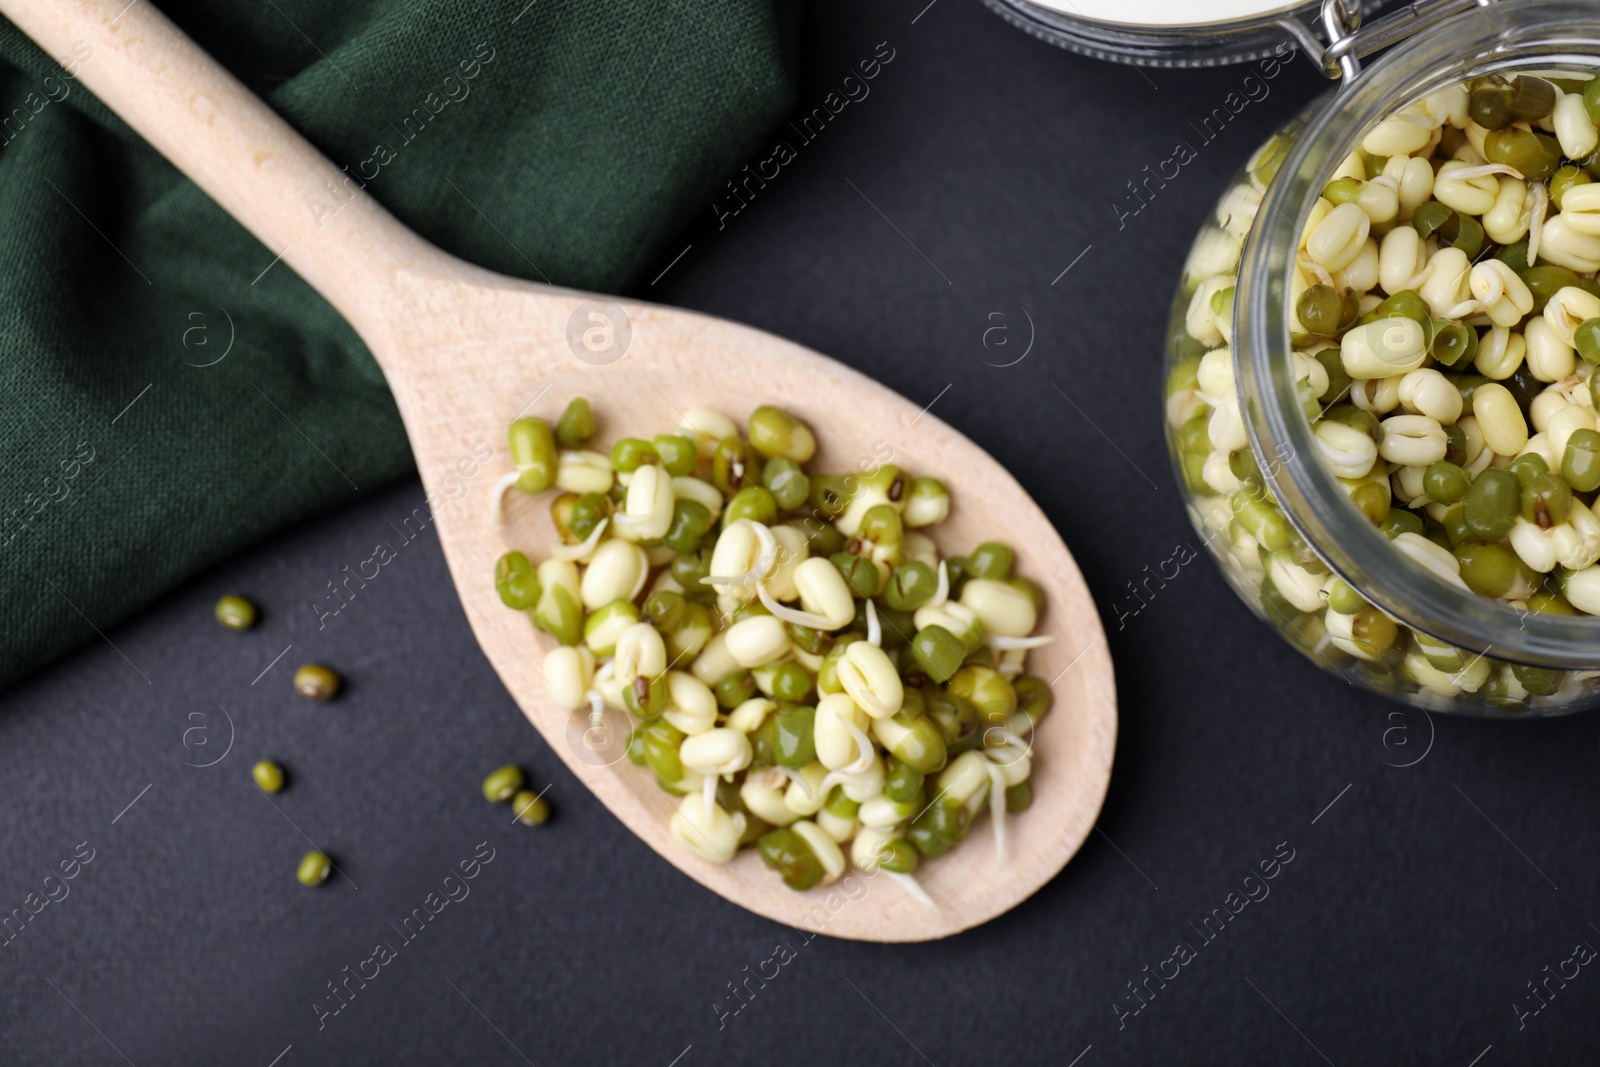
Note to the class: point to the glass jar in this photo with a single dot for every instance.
(1168, 33)
(1404, 632)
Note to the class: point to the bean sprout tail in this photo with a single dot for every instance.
(912, 888)
(497, 493)
(805, 783)
(788, 614)
(1006, 644)
(864, 746)
(942, 592)
(997, 806)
(1536, 219)
(583, 549)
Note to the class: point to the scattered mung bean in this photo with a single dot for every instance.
(501, 785)
(268, 776)
(316, 682)
(314, 869)
(236, 613)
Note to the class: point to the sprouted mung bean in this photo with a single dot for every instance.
(1446, 329)
(809, 675)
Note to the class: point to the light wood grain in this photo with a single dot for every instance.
(465, 351)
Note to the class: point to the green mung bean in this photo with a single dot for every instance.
(316, 682)
(577, 424)
(236, 613)
(314, 869)
(502, 784)
(268, 776)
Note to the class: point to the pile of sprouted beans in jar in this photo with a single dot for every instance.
(808, 673)
(1446, 330)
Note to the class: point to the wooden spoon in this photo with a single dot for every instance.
(466, 351)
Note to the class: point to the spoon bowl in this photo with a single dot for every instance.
(466, 351)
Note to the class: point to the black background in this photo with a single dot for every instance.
(1415, 911)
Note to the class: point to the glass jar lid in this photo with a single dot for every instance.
(1176, 33)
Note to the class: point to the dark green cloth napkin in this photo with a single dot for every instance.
(170, 396)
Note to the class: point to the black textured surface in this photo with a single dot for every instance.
(1405, 929)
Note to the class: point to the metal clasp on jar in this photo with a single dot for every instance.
(1349, 41)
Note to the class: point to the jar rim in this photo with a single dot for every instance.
(1519, 35)
(1141, 14)
(1197, 44)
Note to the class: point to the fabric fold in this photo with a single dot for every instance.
(172, 394)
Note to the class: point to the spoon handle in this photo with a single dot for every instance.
(248, 159)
